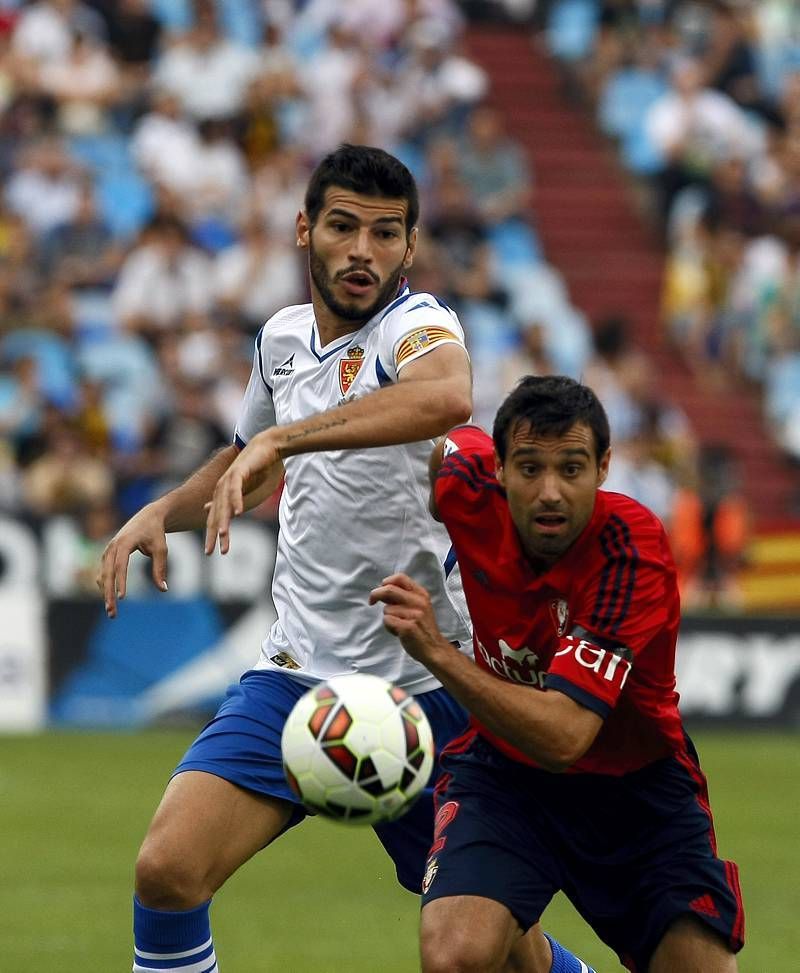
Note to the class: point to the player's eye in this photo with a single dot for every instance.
(387, 234)
(572, 469)
(340, 227)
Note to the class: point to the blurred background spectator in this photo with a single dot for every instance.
(154, 155)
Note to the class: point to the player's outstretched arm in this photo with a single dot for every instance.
(549, 727)
(433, 394)
(181, 509)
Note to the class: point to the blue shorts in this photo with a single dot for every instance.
(632, 853)
(242, 744)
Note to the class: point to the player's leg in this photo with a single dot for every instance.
(228, 799)
(205, 828)
(491, 869)
(473, 934)
(653, 887)
(692, 947)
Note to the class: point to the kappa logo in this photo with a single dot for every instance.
(559, 610)
(285, 368)
(349, 367)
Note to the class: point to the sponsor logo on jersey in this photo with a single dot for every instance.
(559, 611)
(518, 665)
(422, 340)
(285, 368)
(285, 661)
(614, 665)
(430, 874)
(349, 367)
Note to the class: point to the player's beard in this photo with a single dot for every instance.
(349, 312)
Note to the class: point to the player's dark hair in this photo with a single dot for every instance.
(366, 170)
(551, 405)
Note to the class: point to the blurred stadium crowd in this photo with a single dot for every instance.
(154, 153)
(703, 100)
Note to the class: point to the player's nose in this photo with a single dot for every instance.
(360, 247)
(550, 490)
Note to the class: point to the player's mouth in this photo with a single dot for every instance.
(358, 282)
(550, 523)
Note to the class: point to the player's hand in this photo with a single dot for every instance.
(144, 532)
(408, 614)
(256, 462)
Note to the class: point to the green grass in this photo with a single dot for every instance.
(73, 808)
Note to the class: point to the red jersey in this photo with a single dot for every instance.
(599, 625)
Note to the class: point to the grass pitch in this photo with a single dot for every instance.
(74, 806)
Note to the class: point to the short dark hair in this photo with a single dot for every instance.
(366, 170)
(551, 404)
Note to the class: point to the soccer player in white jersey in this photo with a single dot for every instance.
(346, 395)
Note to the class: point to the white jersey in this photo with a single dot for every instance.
(349, 518)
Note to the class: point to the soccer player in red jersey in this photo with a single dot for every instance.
(576, 773)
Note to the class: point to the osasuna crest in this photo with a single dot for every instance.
(349, 367)
(559, 610)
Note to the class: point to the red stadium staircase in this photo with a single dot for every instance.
(587, 220)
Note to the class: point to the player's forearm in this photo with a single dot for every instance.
(530, 720)
(403, 413)
(184, 507)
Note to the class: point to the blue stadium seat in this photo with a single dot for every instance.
(571, 28)
(101, 153)
(126, 201)
(514, 242)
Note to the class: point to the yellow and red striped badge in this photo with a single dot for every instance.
(422, 340)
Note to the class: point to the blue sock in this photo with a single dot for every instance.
(173, 942)
(564, 961)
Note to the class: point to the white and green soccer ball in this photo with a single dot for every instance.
(358, 749)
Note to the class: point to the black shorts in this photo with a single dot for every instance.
(632, 853)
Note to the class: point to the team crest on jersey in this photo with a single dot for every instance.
(349, 367)
(430, 875)
(559, 610)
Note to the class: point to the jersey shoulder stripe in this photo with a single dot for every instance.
(618, 576)
(471, 471)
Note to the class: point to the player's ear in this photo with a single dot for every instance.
(498, 470)
(602, 467)
(411, 249)
(303, 228)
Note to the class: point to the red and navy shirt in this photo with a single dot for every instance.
(600, 625)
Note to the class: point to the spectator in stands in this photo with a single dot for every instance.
(494, 169)
(44, 32)
(66, 477)
(208, 72)
(81, 252)
(45, 190)
(163, 279)
(709, 531)
(693, 127)
(258, 275)
(84, 84)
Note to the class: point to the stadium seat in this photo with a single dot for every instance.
(571, 28)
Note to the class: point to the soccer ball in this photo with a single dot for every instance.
(357, 749)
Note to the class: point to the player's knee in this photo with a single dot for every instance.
(457, 951)
(165, 880)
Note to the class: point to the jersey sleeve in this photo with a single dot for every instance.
(629, 597)
(257, 410)
(414, 328)
(466, 472)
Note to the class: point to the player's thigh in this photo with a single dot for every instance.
(466, 932)
(692, 947)
(205, 828)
